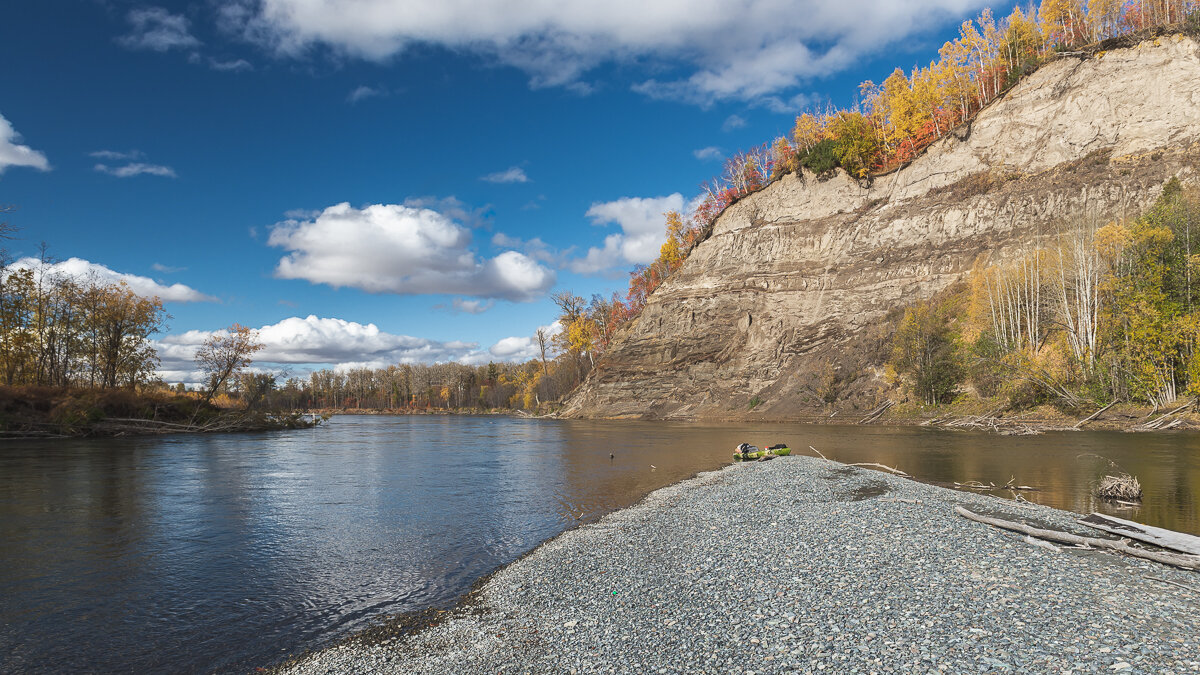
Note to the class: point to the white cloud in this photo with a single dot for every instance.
(144, 286)
(116, 155)
(339, 344)
(363, 92)
(229, 66)
(522, 349)
(643, 231)
(513, 174)
(733, 122)
(711, 152)
(472, 306)
(136, 169)
(157, 29)
(166, 269)
(14, 154)
(726, 50)
(392, 248)
(534, 248)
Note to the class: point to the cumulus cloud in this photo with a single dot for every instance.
(733, 122)
(12, 153)
(534, 248)
(725, 50)
(643, 232)
(144, 286)
(513, 174)
(156, 29)
(393, 248)
(336, 343)
(521, 349)
(711, 152)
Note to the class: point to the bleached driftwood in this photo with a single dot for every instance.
(1163, 538)
(1164, 422)
(885, 467)
(1191, 562)
(876, 413)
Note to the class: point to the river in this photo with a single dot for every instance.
(203, 553)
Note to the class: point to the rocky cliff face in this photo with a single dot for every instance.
(796, 275)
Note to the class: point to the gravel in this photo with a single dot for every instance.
(805, 565)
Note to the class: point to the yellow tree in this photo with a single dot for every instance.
(856, 144)
(1063, 20)
(671, 252)
(225, 353)
(953, 78)
(16, 337)
(1104, 18)
(808, 132)
(1022, 42)
(121, 325)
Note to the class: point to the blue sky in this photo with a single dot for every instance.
(416, 176)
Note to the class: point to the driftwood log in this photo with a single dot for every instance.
(878, 412)
(1164, 422)
(1094, 415)
(1191, 562)
(1163, 538)
(885, 467)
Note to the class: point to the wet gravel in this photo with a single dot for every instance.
(805, 565)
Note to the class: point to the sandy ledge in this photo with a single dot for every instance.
(804, 565)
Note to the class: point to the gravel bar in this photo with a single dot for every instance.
(805, 565)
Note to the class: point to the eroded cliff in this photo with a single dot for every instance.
(795, 276)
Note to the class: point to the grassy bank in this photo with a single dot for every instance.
(49, 412)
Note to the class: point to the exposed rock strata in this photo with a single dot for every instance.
(796, 271)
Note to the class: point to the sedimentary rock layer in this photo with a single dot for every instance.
(794, 273)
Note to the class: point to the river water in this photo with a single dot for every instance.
(203, 553)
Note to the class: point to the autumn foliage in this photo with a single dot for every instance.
(899, 118)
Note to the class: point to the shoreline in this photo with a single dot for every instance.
(692, 571)
(971, 416)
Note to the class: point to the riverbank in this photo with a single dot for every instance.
(803, 564)
(972, 414)
(31, 412)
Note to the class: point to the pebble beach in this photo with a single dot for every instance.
(804, 565)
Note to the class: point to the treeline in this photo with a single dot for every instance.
(564, 356)
(58, 330)
(1104, 313)
(895, 121)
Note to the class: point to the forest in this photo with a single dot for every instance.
(1106, 312)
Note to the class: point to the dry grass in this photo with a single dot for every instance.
(1123, 487)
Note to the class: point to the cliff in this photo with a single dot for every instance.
(799, 276)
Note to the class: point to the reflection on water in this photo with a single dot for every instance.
(202, 553)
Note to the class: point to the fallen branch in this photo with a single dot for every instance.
(876, 413)
(1164, 422)
(975, 485)
(1191, 562)
(818, 452)
(885, 467)
(1094, 415)
(1041, 543)
(1176, 583)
